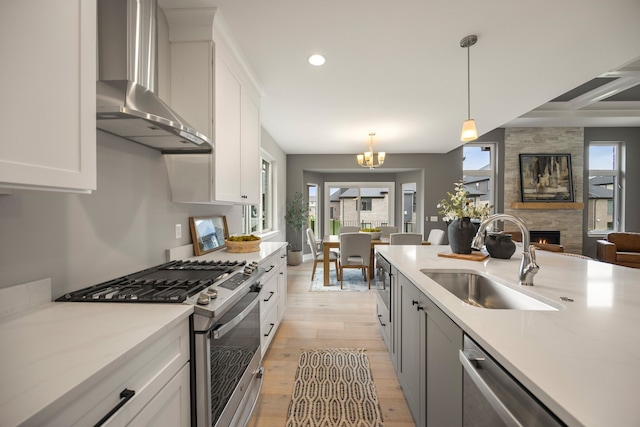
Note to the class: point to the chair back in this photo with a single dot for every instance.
(386, 230)
(405, 239)
(353, 245)
(348, 229)
(311, 240)
(436, 236)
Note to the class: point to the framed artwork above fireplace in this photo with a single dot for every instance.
(546, 178)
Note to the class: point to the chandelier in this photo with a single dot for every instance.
(366, 160)
(469, 132)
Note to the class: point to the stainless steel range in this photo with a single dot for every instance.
(226, 354)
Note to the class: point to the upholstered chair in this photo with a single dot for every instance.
(348, 229)
(355, 250)
(386, 230)
(318, 255)
(436, 236)
(405, 239)
(620, 248)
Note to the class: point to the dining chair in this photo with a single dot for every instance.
(386, 230)
(348, 229)
(318, 255)
(405, 239)
(436, 236)
(355, 250)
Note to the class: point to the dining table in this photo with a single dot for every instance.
(333, 241)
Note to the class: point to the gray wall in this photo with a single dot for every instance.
(124, 226)
(433, 173)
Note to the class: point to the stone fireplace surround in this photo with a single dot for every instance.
(566, 218)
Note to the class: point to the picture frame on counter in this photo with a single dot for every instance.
(208, 233)
(546, 178)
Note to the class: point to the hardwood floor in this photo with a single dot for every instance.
(325, 319)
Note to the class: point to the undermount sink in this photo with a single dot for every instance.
(480, 291)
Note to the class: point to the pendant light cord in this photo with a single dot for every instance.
(468, 82)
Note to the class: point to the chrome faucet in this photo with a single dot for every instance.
(528, 266)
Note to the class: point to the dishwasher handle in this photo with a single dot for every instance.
(466, 356)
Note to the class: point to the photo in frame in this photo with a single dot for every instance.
(208, 233)
(546, 178)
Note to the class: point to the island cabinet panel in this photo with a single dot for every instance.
(48, 87)
(444, 372)
(429, 371)
(410, 368)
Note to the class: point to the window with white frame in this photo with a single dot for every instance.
(478, 171)
(259, 218)
(605, 182)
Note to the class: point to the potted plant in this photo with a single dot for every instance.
(296, 217)
(458, 212)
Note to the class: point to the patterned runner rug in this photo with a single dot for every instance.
(334, 387)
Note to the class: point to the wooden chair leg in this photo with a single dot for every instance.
(313, 273)
(340, 278)
(368, 280)
(337, 268)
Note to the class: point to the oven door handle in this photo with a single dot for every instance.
(221, 330)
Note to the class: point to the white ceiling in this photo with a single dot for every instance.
(397, 68)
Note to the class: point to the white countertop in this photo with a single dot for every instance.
(50, 351)
(582, 361)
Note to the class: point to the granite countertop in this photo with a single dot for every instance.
(583, 360)
(54, 349)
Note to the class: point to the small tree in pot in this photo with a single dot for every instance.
(297, 218)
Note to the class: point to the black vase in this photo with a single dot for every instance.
(500, 245)
(461, 233)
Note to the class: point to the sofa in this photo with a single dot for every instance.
(620, 249)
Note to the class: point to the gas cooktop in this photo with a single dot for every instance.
(172, 282)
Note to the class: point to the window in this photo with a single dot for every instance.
(605, 202)
(365, 204)
(259, 218)
(478, 170)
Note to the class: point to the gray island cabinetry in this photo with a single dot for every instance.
(428, 345)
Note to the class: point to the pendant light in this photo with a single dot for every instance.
(366, 160)
(469, 132)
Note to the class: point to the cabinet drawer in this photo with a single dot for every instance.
(268, 327)
(382, 314)
(146, 373)
(268, 295)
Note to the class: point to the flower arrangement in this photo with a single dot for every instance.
(460, 205)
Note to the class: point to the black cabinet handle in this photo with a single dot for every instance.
(125, 396)
(413, 302)
(269, 296)
(380, 320)
(270, 268)
(270, 329)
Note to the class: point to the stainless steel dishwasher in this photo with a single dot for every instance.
(492, 398)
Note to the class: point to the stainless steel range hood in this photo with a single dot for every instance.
(127, 104)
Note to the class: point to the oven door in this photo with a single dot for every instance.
(228, 371)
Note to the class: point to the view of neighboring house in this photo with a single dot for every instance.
(601, 203)
(368, 209)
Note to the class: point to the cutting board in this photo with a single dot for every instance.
(473, 256)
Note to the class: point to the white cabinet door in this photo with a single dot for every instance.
(227, 129)
(48, 108)
(250, 160)
(207, 90)
(171, 407)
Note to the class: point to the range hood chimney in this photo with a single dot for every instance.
(127, 105)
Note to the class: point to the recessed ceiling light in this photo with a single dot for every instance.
(316, 60)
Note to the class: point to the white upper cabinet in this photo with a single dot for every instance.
(47, 82)
(213, 91)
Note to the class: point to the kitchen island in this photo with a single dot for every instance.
(582, 361)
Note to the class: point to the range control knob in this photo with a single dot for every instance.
(204, 299)
(213, 293)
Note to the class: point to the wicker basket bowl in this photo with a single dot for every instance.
(243, 247)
